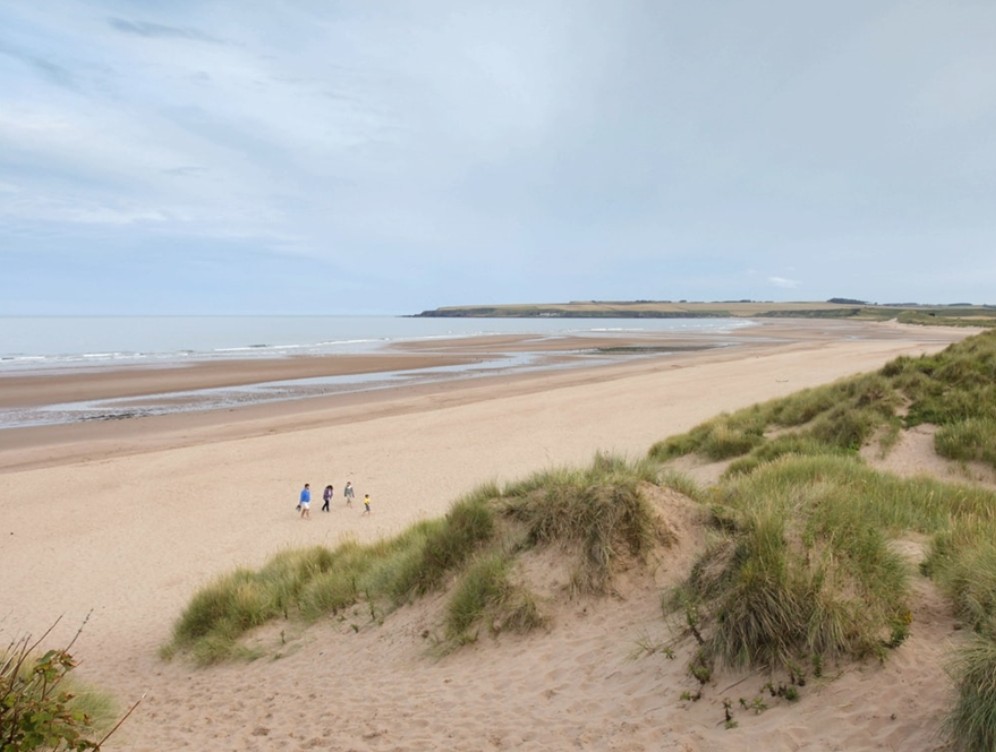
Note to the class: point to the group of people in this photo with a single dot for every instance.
(304, 500)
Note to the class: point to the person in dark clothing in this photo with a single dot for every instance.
(327, 497)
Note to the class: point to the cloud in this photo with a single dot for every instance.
(568, 149)
(54, 73)
(159, 31)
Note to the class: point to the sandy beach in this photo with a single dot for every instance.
(124, 520)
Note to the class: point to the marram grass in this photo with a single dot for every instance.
(598, 513)
(805, 570)
(954, 389)
(971, 724)
(595, 513)
(317, 581)
(486, 594)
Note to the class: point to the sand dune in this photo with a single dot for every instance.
(127, 521)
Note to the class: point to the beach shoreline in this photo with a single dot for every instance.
(123, 521)
(563, 361)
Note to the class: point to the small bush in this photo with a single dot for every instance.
(40, 705)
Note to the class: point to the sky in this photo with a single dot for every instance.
(323, 157)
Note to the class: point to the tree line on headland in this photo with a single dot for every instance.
(965, 314)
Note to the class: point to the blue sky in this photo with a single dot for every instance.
(388, 157)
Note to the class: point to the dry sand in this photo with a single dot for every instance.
(127, 520)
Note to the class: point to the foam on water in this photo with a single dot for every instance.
(45, 344)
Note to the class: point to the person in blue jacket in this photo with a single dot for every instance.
(304, 502)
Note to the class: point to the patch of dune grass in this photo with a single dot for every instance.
(962, 560)
(486, 593)
(596, 512)
(221, 612)
(681, 483)
(312, 582)
(787, 444)
(469, 524)
(972, 722)
(973, 439)
(718, 439)
(846, 427)
(955, 389)
(954, 385)
(801, 407)
(804, 568)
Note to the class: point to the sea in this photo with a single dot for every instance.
(44, 344)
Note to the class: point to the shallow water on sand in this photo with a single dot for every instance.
(59, 345)
(42, 342)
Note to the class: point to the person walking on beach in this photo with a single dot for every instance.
(347, 492)
(327, 495)
(304, 502)
(366, 504)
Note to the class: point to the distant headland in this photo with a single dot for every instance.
(964, 314)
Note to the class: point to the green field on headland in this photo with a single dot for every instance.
(838, 308)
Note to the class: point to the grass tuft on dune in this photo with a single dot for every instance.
(595, 516)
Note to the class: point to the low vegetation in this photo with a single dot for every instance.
(596, 515)
(836, 308)
(954, 390)
(972, 723)
(42, 707)
(801, 570)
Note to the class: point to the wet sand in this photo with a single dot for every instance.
(125, 520)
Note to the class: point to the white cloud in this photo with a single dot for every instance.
(782, 282)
